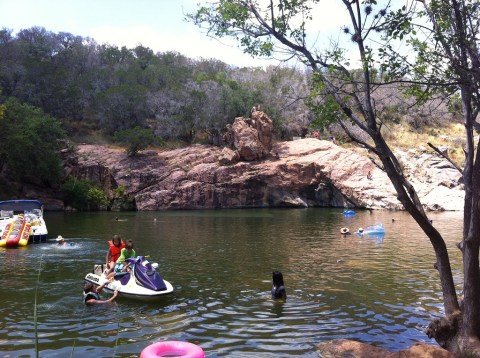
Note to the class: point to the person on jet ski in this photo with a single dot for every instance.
(121, 267)
(114, 251)
(91, 294)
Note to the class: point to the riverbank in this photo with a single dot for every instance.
(344, 348)
(300, 173)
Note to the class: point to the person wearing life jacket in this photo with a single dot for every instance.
(115, 249)
(122, 266)
(91, 294)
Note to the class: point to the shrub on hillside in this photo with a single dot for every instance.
(29, 144)
(136, 139)
(83, 195)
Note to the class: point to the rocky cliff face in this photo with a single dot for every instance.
(301, 173)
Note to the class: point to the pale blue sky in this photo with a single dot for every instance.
(157, 24)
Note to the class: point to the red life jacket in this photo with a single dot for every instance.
(115, 251)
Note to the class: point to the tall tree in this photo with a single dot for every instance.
(448, 60)
(277, 27)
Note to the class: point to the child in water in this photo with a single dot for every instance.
(278, 289)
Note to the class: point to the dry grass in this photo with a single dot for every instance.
(452, 136)
(402, 136)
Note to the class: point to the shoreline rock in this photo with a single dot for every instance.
(344, 348)
(302, 173)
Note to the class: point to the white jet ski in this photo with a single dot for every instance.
(142, 283)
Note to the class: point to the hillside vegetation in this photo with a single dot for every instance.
(135, 98)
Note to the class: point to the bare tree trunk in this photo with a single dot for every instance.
(471, 288)
(413, 206)
(460, 332)
(470, 249)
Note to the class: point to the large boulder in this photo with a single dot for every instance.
(264, 127)
(252, 137)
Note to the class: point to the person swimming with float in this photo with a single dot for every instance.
(61, 241)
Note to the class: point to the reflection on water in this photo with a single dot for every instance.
(380, 290)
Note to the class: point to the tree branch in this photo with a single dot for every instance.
(439, 152)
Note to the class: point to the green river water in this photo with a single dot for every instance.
(382, 291)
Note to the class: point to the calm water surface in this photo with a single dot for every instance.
(379, 291)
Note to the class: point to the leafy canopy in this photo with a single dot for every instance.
(136, 139)
(29, 143)
(83, 195)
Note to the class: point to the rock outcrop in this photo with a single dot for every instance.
(344, 348)
(251, 137)
(301, 173)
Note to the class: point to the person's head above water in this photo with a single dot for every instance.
(278, 289)
(277, 278)
(88, 287)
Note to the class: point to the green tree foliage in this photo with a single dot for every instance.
(87, 85)
(29, 144)
(122, 201)
(136, 139)
(122, 107)
(83, 195)
(96, 198)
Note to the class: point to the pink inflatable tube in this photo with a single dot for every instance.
(172, 349)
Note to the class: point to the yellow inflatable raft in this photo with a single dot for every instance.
(16, 233)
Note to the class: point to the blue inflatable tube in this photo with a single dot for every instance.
(375, 230)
